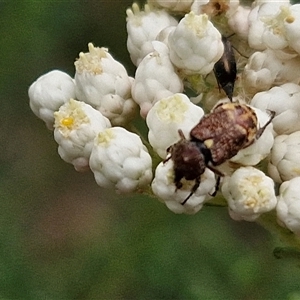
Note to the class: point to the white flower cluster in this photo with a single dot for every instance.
(175, 46)
(273, 34)
(82, 111)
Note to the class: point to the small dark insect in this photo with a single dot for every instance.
(225, 69)
(218, 137)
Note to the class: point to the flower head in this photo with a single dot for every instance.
(76, 125)
(119, 160)
(164, 187)
(167, 116)
(291, 25)
(143, 26)
(284, 162)
(249, 193)
(288, 207)
(238, 20)
(284, 100)
(269, 68)
(195, 44)
(155, 78)
(48, 93)
(103, 82)
(257, 22)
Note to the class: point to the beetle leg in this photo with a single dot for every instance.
(262, 129)
(216, 171)
(219, 175)
(193, 190)
(217, 186)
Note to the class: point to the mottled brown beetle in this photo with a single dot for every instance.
(218, 137)
(225, 69)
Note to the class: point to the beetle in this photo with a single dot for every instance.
(225, 69)
(218, 136)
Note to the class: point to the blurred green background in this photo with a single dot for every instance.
(61, 236)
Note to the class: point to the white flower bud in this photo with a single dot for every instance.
(163, 186)
(265, 69)
(155, 78)
(173, 5)
(195, 45)
(260, 13)
(103, 82)
(120, 160)
(167, 116)
(256, 28)
(260, 71)
(238, 20)
(256, 77)
(48, 93)
(285, 157)
(291, 17)
(285, 101)
(288, 207)
(249, 193)
(76, 125)
(143, 27)
(274, 36)
(260, 149)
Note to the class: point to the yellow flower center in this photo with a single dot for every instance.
(172, 109)
(105, 137)
(91, 61)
